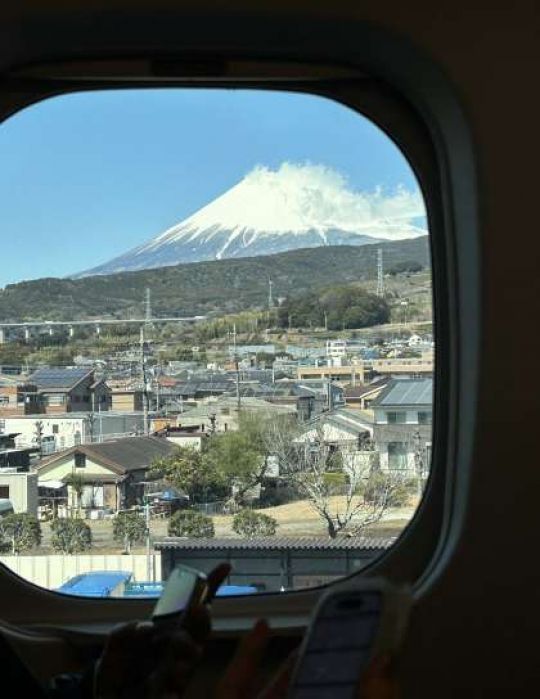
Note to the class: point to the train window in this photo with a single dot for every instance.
(216, 338)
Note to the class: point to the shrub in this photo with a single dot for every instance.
(189, 523)
(20, 532)
(129, 527)
(399, 488)
(249, 524)
(334, 480)
(71, 535)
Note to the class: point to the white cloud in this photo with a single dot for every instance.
(296, 197)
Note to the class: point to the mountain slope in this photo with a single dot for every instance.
(203, 287)
(295, 206)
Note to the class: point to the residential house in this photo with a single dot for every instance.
(402, 425)
(20, 489)
(362, 395)
(309, 397)
(13, 458)
(348, 432)
(198, 389)
(341, 428)
(185, 438)
(221, 414)
(353, 373)
(66, 390)
(50, 433)
(113, 472)
(19, 399)
(127, 399)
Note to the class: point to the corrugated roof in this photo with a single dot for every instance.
(402, 392)
(58, 377)
(302, 543)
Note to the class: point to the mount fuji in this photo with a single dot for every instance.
(270, 211)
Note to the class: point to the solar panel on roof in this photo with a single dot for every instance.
(57, 377)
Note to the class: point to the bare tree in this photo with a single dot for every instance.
(344, 486)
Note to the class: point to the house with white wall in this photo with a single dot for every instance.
(113, 473)
(402, 426)
(66, 430)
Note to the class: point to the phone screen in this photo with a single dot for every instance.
(338, 648)
(183, 583)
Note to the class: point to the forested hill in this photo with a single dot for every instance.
(203, 287)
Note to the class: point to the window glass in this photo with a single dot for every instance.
(397, 456)
(424, 418)
(228, 303)
(395, 417)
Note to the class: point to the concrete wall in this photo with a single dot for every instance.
(23, 491)
(53, 571)
(194, 442)
(384, 434)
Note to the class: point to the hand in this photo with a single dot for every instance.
(243, 674)
(140, 659)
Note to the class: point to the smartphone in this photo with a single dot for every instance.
(184, 589)
(348, 629)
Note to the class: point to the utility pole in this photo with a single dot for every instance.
(147, 305)
(270, 295)
(149, 566)
(238, 401)
(144, 381)
(380, 274)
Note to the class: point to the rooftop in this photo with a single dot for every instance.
(304, 543)
(57, 377)
(403, 392)
(127, 454)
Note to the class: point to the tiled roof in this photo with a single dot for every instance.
(303, 543)
(126, 454)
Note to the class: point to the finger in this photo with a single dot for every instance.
(238, 679)
(280, 683)
(120, 642)
(216, 578)
(175, 644)
(197, 623)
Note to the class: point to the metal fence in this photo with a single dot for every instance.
(219, 507)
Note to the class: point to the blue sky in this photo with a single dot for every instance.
(85, 177)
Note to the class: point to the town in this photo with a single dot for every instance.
(158, 450)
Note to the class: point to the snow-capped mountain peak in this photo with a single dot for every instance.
(272, 211)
